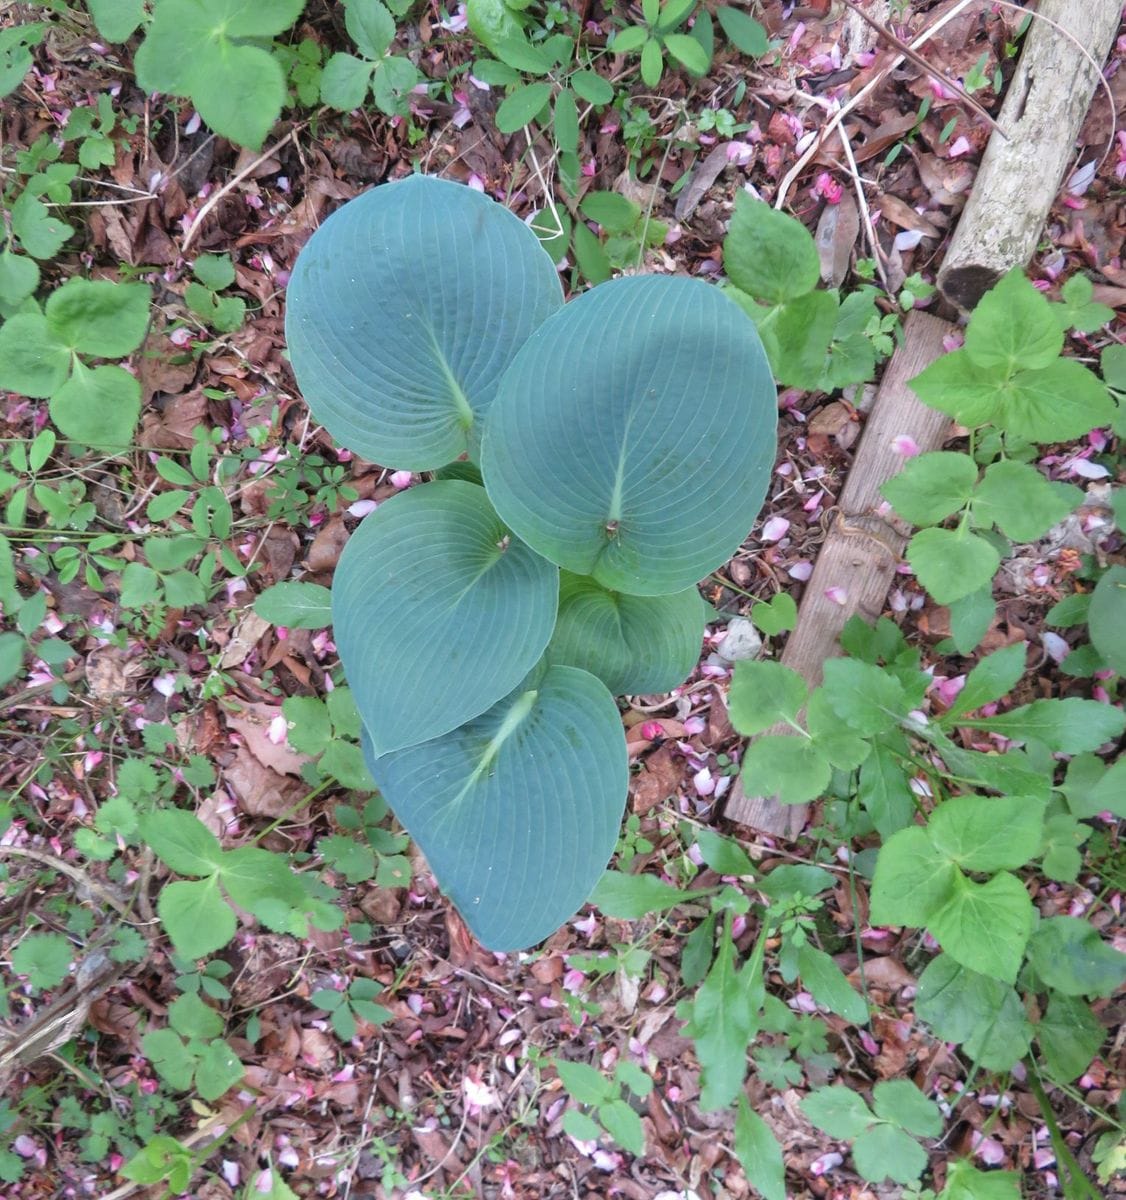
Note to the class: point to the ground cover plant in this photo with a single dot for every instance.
(388, 391)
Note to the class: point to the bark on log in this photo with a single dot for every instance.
(863, 547)
(1013, 193)
(1020, 178)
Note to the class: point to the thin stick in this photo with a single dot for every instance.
(923, 65)
(232, 183)
(869, 87)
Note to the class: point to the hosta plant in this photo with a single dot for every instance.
(591, 462)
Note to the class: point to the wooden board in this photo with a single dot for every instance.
(863, 547)
(1019, 179)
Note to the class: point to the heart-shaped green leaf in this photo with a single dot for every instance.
(518, 811)
(404, 310)
(633, 435)
(634, 644)
(432, 586)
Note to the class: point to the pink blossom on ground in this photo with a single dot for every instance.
(837, 595)
(869, 1043)
(739, 153)
(800, 571)
(827, 1162)
(694, 726)
(988, 1149)
(587, 926)
(959, 147)
(651, 730)
(905, 445)
(278, 730)
(774, 529)
(457, 22)
(590, 168)
(165, 684)
(826, 188)
(362, 507)
(953, 341)
(479, 1095)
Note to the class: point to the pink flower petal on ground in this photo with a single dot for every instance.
(165, 685)
(1057, 648)
(774, 529)
(959, 147)
(827, 1162)
(401, 479)
(361, 508)
(989, 1150)
(837, 595)
(905, 445)
(479, 1094)
(801, 571)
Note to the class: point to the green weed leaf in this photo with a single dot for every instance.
(757, 1149)
(522, 106)
(900, 1103)
(196, 917)
(746, 34)
(1024, 505)
(768, 254)
(867, 698)
(790, 767)
(1106, 618)
(952, 563)
(838, 1111)
(1068, 726)
(181, 841)
(97, 407)
(913, 880)
(44, 958)
(884, 1152)
(762, 694)
(985, 926)
(296, 605)
(821, 976)
(100, 318)
(33, 361)
(931, 487)
(987, 835)
(1013, 328)
(1069, 956)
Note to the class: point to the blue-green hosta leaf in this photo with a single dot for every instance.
(634, 644)
(433, 586)
(518, 811)
(405, 308)
(633, 435)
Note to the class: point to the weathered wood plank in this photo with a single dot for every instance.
(1019, 179)
(863, 546)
